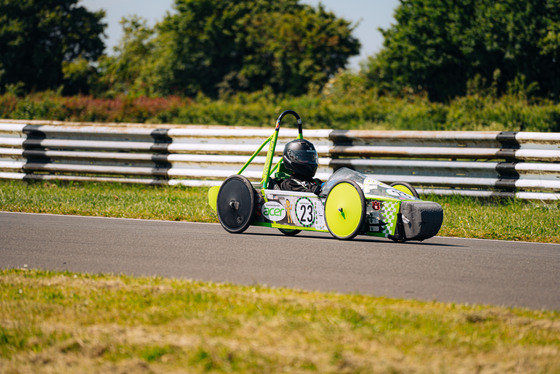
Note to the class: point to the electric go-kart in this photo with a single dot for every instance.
(349, 203)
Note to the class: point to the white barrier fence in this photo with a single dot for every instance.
(525, 165)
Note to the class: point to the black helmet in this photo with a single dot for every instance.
(300, 157)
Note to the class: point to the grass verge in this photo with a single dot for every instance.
(506, 219)
(65, 322)
(175, 203)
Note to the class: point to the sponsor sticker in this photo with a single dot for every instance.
(373, 220)
(288, 209)
(399, 194)
(305, 212)
(370, 185)
(273, 211)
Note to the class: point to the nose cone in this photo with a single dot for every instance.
(421, 219)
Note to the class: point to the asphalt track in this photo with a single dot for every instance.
(442, 269)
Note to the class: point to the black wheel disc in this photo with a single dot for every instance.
(236, 204)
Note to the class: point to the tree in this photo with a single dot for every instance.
(290, 51)
(38, 37)
(439, 46)
(220, 46)
(125, 72)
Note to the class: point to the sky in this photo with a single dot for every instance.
(369, 15)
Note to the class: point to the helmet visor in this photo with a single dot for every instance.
(308, 156)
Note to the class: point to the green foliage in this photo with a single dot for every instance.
(223, 47)
(126, 71)
(79, 76)
(438, 46)
(344, 104)
(45, 43)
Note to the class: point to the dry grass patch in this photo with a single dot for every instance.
(64, 322)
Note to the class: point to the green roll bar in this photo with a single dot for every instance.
(273, 139)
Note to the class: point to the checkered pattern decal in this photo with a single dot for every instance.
(389, 210)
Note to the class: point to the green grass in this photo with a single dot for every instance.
(507, 219)
(65, 322)
(107, 200)
(504, 219)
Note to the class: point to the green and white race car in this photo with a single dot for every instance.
(349, 203)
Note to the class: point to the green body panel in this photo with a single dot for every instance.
(287, 227)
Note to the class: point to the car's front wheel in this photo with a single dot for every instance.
(345, 210)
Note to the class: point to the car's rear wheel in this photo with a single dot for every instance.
(345, 210)
(406, 188)
(236, 204)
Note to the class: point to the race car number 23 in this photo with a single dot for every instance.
(305, 212)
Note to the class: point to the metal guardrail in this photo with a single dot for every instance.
(192, 156)
(525, 165)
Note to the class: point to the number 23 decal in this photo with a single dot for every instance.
(305, 212)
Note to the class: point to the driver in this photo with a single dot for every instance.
(300, 163)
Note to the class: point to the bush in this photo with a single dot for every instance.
(334, 108)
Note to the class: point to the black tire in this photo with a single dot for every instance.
(236, 204)
(341, 199)
(289, 232)
(408, 186)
